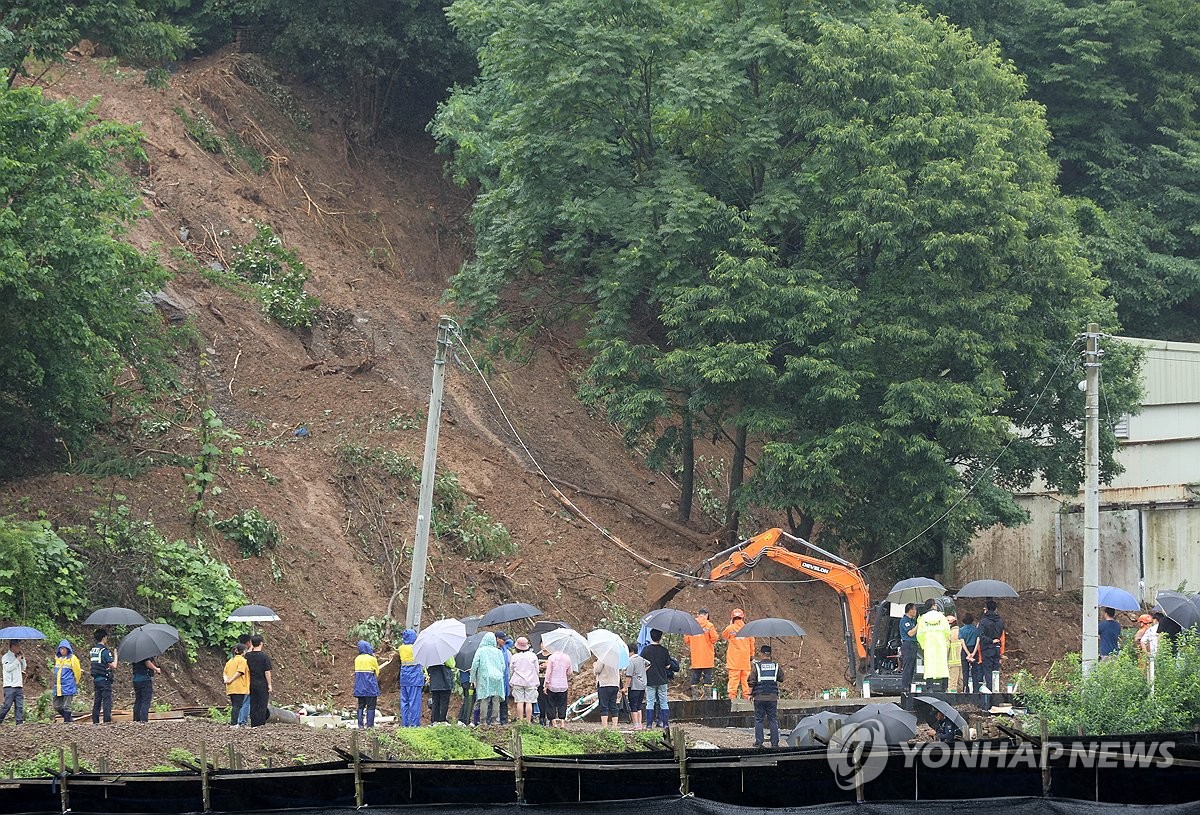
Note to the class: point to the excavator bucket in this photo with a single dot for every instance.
(661, 589)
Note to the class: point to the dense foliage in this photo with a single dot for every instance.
(73, 311)
(39, 575)
(1118, 80)
(277, 276)
(43, 30)
(839, 242)
(1116, 696)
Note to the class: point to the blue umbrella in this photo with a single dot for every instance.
(21, 632)
(1118, 599)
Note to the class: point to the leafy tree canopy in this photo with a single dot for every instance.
(73, 311)
(841, 238)
(1118, 80)
(44, 29)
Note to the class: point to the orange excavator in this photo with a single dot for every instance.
(866, 656)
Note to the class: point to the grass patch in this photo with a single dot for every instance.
(436, 743)
(546, 741)
(38, 766)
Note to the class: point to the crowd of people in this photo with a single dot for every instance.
(951, 649)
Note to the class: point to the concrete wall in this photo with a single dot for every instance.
(1047, 553)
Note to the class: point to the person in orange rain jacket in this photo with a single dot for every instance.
(738, 656)
(702, 655)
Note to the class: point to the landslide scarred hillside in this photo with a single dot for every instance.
(381, 230)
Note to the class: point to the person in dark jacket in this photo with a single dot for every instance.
(991, 630)
(765, 676)
(658, 668)
(465, 712)
(946, 730)
(262, 682)
(908, 646)
(101, 660)
(441, 683)
(143, 688)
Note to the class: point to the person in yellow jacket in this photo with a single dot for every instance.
(67, 675)
(954, 662)
(237, 682)
(933, 635)
(738, 654)
(702, 655)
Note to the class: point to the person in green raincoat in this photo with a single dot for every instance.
(933, 635)
(487, 677)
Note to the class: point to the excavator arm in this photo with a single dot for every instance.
(842, 576)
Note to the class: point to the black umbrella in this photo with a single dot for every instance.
(252, 614)
(1181, 608)
(466, 654)
(472, 623)
(771, 627)
(946, 709)
(116, 615)
(987, 588)
(147, 641)
(898, 724)
(507, 613)
(672, 621)
(916, 590)
(815, 730)
(541, 627)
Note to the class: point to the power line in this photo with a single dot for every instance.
(692, 577)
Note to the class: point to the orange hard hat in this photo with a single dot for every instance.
(736, 613)
(1145, 619)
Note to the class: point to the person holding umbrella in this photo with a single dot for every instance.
(1110, 633)
(101, 661)
(15, 665)
(991, 633)
(608, 685)
(765, 677)
(658, 675)
(261, 682)
(143, 688)
(487, 678)
(67, 676)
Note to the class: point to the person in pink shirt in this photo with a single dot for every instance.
(558, 672)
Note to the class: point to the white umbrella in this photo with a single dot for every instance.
(608, 647)
(570, 642)
(439, 642)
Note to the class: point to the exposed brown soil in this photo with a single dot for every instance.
(382, 230)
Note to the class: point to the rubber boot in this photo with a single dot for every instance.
(649, 717)
(665, 715)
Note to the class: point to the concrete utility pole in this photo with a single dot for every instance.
(416, 584)
(1091, 499)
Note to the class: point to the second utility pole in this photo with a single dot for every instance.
(416, 584)
(1091, 500)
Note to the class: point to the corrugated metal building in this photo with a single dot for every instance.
(1149, 515)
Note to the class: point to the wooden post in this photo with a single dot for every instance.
(232, 757)
(375, 747)
(74, 757)
(1045, 760)
(679, 740)
(518, 765)
(358, 780)
(102, 764)
(205, 792)
(65, 796)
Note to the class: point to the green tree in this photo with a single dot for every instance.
(1118, 80)
(840, 242)
(72, 293)
(44, 29)
(389, 59)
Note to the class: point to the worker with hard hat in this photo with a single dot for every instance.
(702, 655)
(738, 654)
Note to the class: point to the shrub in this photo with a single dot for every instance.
(1115, 696)
(202, 131)
(376, 630)
(39, 574)
(437, 743)
(38, 766)
(278, 278)
(251, 531)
